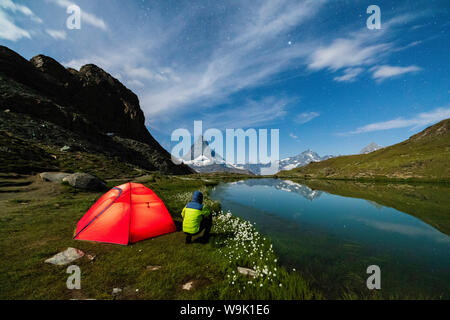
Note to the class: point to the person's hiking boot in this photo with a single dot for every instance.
(188, 239)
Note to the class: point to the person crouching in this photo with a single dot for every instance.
(196, 218)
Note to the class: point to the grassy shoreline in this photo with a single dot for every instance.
(38, 222)
(445, 181)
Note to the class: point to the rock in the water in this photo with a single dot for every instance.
(53, 176)
(247, 271)
(85, 181)
(65, 257)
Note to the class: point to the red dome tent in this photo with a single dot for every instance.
(126, 214)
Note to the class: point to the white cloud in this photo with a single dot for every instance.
(343, 53)
(422, 119)
(8, 28)
(163, 75)
(386, 71)
(293, 136)
(11, 6)
(9, 31)
(86, 17)
(135, 83)
(358, 50)
(56, 34)
(306, 117)
(249, 50)
(349, 75)
(257, 113)
(239, 63)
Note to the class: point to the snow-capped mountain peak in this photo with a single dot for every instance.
(370, 148)
(202, 155)
(300, 160)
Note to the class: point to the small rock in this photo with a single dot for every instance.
(247, 271)
(64, 149)
(85, 181)
(116, 291)
(53, 176)
(65, 257)
(90, 257)
(7, 111)
(153, 268)
(188, 285)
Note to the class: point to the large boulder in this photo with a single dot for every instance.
(85, 181)
(53, 176)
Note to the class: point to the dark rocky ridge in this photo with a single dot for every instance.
(51, 105)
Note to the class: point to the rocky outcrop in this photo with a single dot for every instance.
(85, 105)
(85, 181)
(53, 176)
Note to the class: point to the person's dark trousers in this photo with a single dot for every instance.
(206, 225)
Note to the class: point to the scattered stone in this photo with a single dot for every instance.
(247, 272)
(90, 257)
(7, 111)
(153, 268)
(64, 149)
(116, 291)
(53, 176)
(188, 286)
(65, 257)
(85, 181)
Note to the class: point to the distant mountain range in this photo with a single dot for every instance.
(203, 159)
(423, 157)
(370, 148)
(301, 160)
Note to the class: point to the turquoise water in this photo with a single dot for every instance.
(332, 239)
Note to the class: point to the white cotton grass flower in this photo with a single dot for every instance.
(244, 246)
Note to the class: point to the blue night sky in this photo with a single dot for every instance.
(310, 68)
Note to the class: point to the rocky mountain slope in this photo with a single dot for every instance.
(424, 156)
(68, 116)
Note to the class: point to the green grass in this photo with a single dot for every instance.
(38, 222)
(423, 157)
(20, 156)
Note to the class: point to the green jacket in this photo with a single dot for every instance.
(192, 219)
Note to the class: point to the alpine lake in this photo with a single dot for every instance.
(332, 231)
